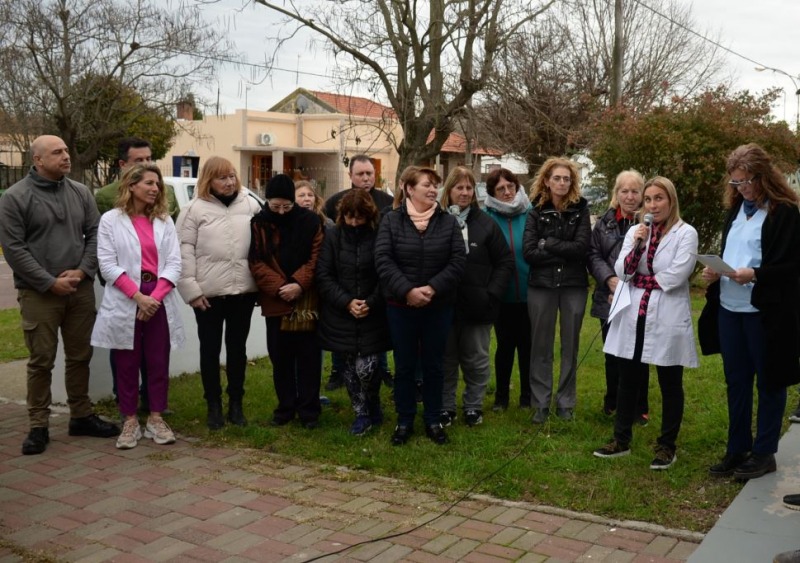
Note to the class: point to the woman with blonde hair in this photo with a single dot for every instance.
(305, 195)
(555, 245)
(214, 231)
(604, 247)
(486, 275)
(139, 317)
(656, 327)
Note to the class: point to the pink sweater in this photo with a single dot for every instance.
(144, 229)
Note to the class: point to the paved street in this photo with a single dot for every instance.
(84, 500)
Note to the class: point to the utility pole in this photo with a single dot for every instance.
(617, 58)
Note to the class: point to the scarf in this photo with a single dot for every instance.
(750, 208)
(296, 231)
(519, 205)
(461, 217)
(419, 218)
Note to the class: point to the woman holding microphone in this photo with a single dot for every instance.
(656, 326)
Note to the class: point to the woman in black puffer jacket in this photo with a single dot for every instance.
(555, 244)
(353, 311)
(489, 267)
(420, 259)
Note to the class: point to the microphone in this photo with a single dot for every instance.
(647, 220)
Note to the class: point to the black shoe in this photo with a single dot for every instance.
(92, 425)
(335, 382)
(401, 435)
(473, 417)
(728, 465)
(279, 421)
(36, 442)
(792, 501)
(436, 433)
(755, 467)
(310, 424)
(540, 415)
(388, 380)
(214, 420)
(446, 418)
(235, 413)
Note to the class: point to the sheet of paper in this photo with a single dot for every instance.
(621, 301)
(715, 263)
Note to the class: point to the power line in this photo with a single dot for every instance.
(701, 36)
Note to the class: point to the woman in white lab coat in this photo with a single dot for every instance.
(656, 327)
(139, 256)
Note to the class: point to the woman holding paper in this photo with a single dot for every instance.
(752, 314)
(604, 247)
(656, 327)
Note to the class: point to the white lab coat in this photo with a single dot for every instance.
(668, 334)
(118, 251)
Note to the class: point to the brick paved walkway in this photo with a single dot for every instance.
(83, 500)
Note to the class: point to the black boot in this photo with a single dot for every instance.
(215, 420)
(235, 413)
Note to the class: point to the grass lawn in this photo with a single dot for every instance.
(12, 344)
(552, 464)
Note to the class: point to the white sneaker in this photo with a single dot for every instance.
(130, 435)
(159, 431)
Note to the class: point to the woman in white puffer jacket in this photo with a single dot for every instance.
(214, 231)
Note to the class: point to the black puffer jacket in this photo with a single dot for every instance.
(489, 268)
(562, 262)
(406, 258)
(346, 271)
(604, 247)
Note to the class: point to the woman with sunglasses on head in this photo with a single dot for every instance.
(508, 204)
(139, 318)
(555, 245)
(655, 327)
(752, 315)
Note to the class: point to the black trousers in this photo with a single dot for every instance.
(670, 380)
(612, 380)
(296, 371)
(513, 331)
(231, 313)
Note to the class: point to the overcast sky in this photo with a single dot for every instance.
(763, 31)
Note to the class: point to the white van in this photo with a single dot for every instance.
(185, 187)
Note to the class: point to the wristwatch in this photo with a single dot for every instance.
(542, 243)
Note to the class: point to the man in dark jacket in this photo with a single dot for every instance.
(362, 176)
(48, 230)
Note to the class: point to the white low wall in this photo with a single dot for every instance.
(184, 360)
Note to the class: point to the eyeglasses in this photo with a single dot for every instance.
(276, 207)
(510, 188)
(561, 179)
(736, 184)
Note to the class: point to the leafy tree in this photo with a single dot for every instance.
(687, 140)
(92, 71)
(428, 59)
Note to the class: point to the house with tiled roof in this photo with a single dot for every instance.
(308, 134)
